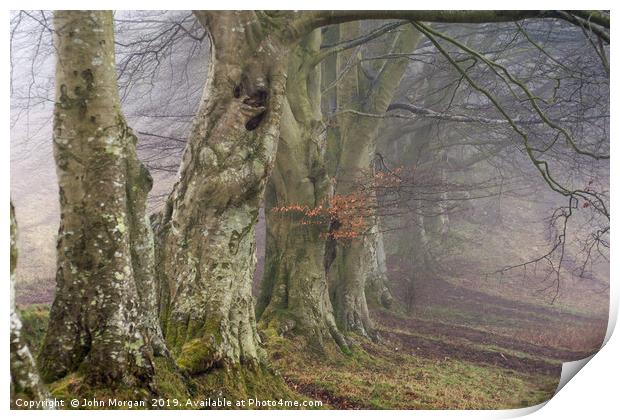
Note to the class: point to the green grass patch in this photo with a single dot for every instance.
(381, 378)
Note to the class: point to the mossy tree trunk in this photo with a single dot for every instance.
(25, 381)
(294, 296)
(205, 236)
(205, 240)
(103, 320)
(359, 263)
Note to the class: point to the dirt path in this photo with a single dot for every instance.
(442, 350)
(475, 336)
(472, 329)
(312, 391)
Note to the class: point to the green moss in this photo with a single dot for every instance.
(175, 334)
(283, 324)
(194, 355)
(244, 382)
(168, 381)
(114, 149)
(198, 355)
(168, 384)
(74, 386)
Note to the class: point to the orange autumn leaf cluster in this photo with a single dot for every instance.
(348, 215)
(391, 179)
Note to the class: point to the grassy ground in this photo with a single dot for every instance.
(460, 349)
(467, 343)
(379, 376)
(392, 374)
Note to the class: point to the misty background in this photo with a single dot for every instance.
(473, 223)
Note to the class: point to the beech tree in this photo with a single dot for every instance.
(206, 233)
(103, 318)
(300, 202)
(294, 292)
(357, 263)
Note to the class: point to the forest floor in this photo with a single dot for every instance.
(459, 348)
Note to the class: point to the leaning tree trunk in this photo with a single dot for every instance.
(102, 321)
(205, 240)
(356, 263)
(25, 381)
(294, 296)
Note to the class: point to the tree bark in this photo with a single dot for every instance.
(294, 298)
(429, 219)
(205, 236)
(377, 281)
(357, 262)
(25, 381)
(102, 321)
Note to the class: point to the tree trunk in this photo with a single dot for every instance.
(102, 321)
(25, 381)
(349, 271)
(441, 222)
(205, 236)
(295, 294)
(377, 281)
(430, 219)
(357, 264)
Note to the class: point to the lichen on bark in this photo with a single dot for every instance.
(101, 321)
(206, 235)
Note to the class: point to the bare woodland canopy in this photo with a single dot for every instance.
(172, 131)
